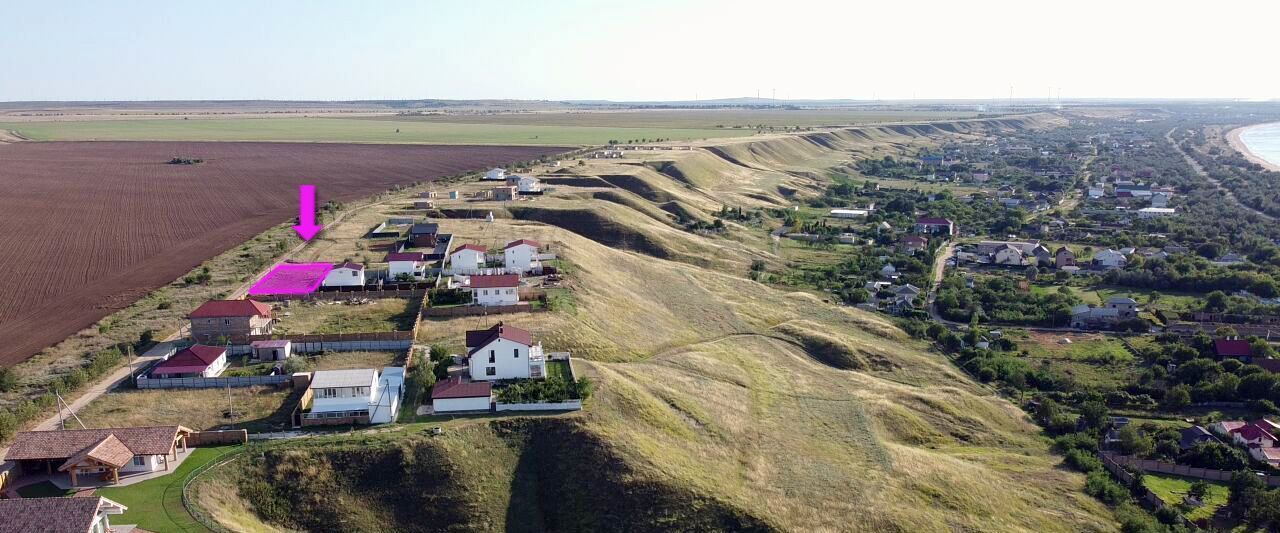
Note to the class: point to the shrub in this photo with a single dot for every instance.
(1099, 485)
(8, 379)
(1083, 461)
(1076, 441)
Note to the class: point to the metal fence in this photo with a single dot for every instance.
(209, 383)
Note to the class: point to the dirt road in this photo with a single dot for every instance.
(1200, 171)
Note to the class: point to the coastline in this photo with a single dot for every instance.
(1233, 138)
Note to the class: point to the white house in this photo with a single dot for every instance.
(274, 350)
(1007, 255)
(454, 395)
(198, 361)
(495, 174)
(1095, 193)
(345, 275)
(495, 290)
(1110, 259)
(521, 256)
(1160, 199)
(467, 258)
(848, 213)
(529, 184)
(1125, 307)
(504, 352)
(412, 264)
(357, 396)
(1156, 212)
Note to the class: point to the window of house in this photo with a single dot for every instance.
(139, 460)
(328, 393)
(517, 353)
(492, 356)
(491, 371)
(226, 321)
(362, 391)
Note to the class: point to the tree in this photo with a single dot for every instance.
(1199, 488)
(8, 379)
(1093, 414)
(1215, 455)
(1215, 301)
(1177, 398)
(1264, 512)
(1032, 273)
(1134, 442)
(441, 369)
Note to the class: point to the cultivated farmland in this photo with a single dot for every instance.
(89, 228)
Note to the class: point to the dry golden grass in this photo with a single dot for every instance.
(337, 316)
(707, 380)
(258, 408)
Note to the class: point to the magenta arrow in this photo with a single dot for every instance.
(307, 227)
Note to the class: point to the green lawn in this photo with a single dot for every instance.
(156, 504)
(347, 130)
(558, 369)
(43, 489)
(1171, 489)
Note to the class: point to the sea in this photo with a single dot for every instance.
(1264, 141)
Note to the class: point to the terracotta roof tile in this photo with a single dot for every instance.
(489, 282)
(477, 339)
(455, 388)
(225, 308)
(108, 451)
(49, 515)
(155, 440)
(529, 242)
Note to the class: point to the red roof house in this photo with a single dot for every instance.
(1253, 434)
(231, 308)
(196, 361)
(474, 247)
(456, 388)
(529, 242)
(416, 257)
(479, 338)
(1232, 348)
(492, 282)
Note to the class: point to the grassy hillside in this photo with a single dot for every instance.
(720, 404)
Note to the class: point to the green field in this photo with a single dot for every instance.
(691, 118)
(1171, 489)
(348, 130)
(156, 504)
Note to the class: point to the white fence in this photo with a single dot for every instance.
(210, 383)
(571, 405)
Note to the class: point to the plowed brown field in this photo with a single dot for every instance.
(89, 228)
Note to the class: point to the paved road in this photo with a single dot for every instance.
(1195, 165)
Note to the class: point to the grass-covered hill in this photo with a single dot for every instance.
(721, 404)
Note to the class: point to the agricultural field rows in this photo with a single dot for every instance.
(124, 222)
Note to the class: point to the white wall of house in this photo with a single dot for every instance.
(466, 260)
(445, 405)
(343, 399)
(412, 268)
(507, 359)
(496, 296)
(1008, 256)
(215, 369)
(344, 277)
(143, 463)
(519, 258)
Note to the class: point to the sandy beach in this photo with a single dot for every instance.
(1233, 137)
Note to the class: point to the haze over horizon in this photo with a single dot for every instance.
(668, 51)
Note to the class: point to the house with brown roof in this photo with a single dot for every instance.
(467, 258)
(455, 395)
(101, 453)
(1233, 348)
(229, 318)
(198, 361)
(504, 352)
(345, 275)
(58, 515)
(495, 290)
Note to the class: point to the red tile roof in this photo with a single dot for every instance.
(193, 359)
(1253, 432)
(475, 247)
(108, 451)
(455, 388)
(406, 256)
(477, 339)
(351, 266)
(529, 242)
(915, 239)
(28, 445)
(228, 308)
(1232, 348)
(50, 515)
(489, 282)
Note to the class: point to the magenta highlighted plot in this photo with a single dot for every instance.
(291, 278)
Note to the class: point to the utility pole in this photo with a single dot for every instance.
(129, 358)
(230, 408)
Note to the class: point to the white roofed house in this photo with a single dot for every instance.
(529, 185)
(504, 352)
(521, 255)
(1110, 259)
(345, 275)
(357, 396)
(1007, 255)
(495, 174)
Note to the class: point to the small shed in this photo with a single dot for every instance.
(272, 350)
(454, 395)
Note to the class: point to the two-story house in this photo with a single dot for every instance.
(411, 265)
(521, 256)
(355, 396)
(504, 352)
(467, 258)
(495, 290)
(216, 319)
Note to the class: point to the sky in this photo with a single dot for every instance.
(651, 50)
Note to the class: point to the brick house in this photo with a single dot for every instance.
(229, 318)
